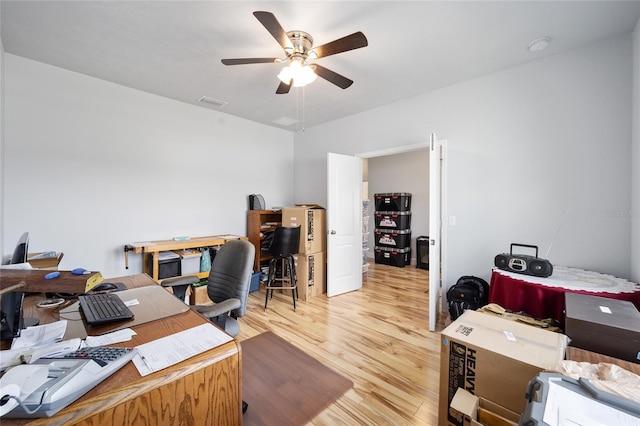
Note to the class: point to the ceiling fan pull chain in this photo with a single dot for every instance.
(303, 111)
(298, 108)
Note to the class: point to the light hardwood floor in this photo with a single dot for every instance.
(377, 336)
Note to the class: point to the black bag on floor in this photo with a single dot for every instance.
(467, 293)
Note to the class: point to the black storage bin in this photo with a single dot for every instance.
(392, 256)
(422, 252)
(169, 265)
(393, 201)
(398, 238)
(393, 219)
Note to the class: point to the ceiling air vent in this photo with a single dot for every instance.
(285, 121)
(211, 101)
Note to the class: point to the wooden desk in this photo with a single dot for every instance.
(204, 389)
(155, 247)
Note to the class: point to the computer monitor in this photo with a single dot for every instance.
(21, 251)
(11, 320)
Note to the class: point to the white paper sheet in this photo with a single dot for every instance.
(40, 335)
(117, 336)
(10, 357)
(567, 408)
(142, 244)
(170, 350)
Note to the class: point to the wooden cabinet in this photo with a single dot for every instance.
(259, 223)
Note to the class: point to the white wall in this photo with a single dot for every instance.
(403, 172)
(525, 147)
(91, 166)
(635, 161)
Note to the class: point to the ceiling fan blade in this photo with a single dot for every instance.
(243, 61)
(283, 88)
(344, 44)
(269, 21)
(333, 77)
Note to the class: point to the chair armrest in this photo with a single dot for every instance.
(211, 311)
(182, 280)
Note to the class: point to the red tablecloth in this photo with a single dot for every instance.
(544, 297)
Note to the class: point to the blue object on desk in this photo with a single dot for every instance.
(52, 275)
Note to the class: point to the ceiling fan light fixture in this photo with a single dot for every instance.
(298, 48)
(298, 71)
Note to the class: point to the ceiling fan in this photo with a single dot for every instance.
(298, 48)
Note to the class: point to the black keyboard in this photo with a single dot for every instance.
(102, 308)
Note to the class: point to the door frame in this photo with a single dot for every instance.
(443, 196)
(437, 237)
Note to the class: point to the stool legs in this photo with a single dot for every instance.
(288, 264)
(293, 281)
(271, 276)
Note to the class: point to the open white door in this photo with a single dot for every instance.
(435, 225)
(344, 224)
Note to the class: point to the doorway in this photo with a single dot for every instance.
(435, 211)
(386, 163)
(405, 172)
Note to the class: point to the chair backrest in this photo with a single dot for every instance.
(230, 275)
(286, 241)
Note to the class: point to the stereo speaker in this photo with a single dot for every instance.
(524, 264)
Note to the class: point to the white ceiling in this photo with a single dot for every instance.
(173, 48)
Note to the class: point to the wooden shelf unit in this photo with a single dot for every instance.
(155, 247)
(259, 222)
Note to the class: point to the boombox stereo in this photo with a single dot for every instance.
(524, 264)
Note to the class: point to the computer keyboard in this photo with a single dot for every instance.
(102, 308)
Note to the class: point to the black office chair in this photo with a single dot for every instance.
(227, 285)
(284, 245)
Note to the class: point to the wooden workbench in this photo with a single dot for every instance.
(153, 248)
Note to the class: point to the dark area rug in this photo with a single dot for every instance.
(283, 385)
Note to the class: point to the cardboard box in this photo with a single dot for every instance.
(311, 273)
(311, 219)
(198, 296)
(493, 358)
(471, 410)
(603, 325)
(45, 260)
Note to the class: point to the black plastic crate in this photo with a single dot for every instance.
(393, 201)
(392, 256)
(168, 265)
(398, 238)
(393, 220)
